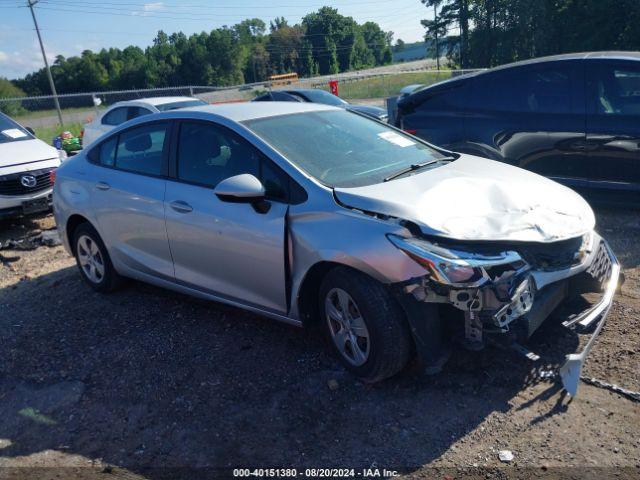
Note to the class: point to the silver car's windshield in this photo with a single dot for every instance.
(342, 149)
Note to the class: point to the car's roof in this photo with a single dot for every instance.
(240, 112)
(158, 100)
(613, 55)
(303, 90)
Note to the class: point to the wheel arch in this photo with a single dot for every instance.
(307, 297)
(73, 222)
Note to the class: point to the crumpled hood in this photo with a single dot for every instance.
(25, 151)
(474, 198)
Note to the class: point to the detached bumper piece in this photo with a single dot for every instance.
(606, 269)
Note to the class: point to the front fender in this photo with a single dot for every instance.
(349, 238)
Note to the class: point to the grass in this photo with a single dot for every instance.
(46, 134)
(386, 85)
(28, 115)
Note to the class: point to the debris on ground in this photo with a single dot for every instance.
(47, 238)
(505, 456)
(630, 394)
(333, 384)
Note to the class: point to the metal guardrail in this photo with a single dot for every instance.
(347, 76)
(78, 107)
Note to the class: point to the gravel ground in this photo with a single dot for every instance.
(146, 383)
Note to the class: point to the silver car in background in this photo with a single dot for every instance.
(313, 215)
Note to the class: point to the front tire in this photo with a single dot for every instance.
(366, 327)
(93, 260)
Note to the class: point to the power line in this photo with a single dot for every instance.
(100, 10)
(181, 18)
(166, 6)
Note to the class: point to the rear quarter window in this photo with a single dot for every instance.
(105, 153)
(116, 116)
(451, 98)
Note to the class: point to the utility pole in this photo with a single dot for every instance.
(31, 3)
(435, 19)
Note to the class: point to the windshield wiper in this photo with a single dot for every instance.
(415, 166)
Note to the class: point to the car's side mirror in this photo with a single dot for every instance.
(243, 188)
(30, 130)
(240, 188)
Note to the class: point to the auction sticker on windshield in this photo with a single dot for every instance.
(13, 133)
(396, 139)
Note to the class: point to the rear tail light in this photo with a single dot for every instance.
(411, 131)
(52, 176)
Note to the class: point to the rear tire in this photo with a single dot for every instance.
(93, 260)
(373, 340)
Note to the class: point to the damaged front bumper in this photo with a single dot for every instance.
(507, 301)
(596, 315)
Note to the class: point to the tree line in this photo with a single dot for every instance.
(325, 42)
(485, 33)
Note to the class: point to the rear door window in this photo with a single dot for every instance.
(546, 89)
(115, 116)
(140, 150)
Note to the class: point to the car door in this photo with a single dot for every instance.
(233, 250)
(533, 117)
(128, 198)
(613, 128)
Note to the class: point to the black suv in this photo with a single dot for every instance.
(574, 118)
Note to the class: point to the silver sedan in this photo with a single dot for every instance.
(310, 214)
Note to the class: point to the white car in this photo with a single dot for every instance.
(27, 170)
(122, 111)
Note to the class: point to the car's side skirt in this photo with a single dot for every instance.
(206, 295)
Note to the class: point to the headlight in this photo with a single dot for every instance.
(453, 267)
(586, 247)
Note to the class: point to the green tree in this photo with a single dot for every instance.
(9, 90)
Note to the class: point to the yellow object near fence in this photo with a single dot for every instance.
(283, 79)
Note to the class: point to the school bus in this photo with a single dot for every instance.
(283, 79)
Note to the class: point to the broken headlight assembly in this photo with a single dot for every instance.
(456, 267)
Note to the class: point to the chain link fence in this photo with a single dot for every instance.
(79, 108)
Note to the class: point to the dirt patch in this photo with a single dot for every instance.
(144, 380)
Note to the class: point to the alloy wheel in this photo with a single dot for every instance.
(90, 259)
(347, 327)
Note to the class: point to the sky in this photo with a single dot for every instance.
(70, 26)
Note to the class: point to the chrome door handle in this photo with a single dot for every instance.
(103, 186)
(180, 206)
